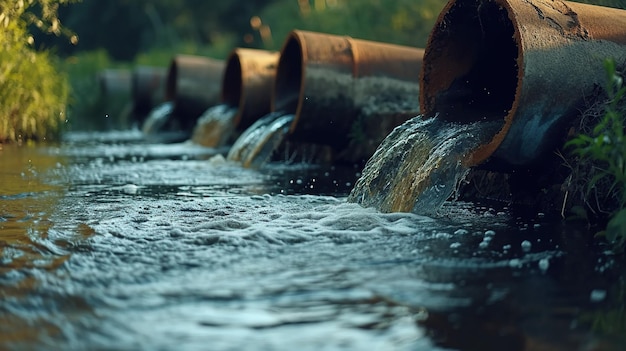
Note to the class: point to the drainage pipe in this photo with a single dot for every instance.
(115, 88)
(193, 84)
(525, 65)
(114, 82)
(147, 90)
(328, 81)
(248, 82)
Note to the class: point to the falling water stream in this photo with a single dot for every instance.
(257, 143)
(216, 126)
(419, 165)
(109, 241)
(158, 117)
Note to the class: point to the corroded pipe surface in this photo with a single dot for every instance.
(527, 63)
(327, 81)
(193, 84)
(147, 89)
(248, 82)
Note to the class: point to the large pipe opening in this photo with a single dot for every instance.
(524, 65)
(232, 82)
(289, 77)
(170, 83)
(471, 67)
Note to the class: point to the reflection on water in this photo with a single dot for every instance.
(132, 245)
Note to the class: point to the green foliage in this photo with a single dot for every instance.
(605, 148)
(127, 28)
(32, 92)
(404, 22)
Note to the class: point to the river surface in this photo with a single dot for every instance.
(112, 242)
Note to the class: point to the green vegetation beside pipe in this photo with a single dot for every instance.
(33, 93)
(601, 150)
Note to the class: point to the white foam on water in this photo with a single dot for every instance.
(164, 253)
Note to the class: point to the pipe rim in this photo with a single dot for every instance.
(171, 81)
(232, 81)
(288, 97)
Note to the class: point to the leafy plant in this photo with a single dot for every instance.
(32, 92)
(605, 148)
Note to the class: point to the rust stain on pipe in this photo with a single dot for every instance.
(527, 63)
(327, 80)
(248, 82)
(193, 84)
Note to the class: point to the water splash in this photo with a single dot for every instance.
(215, 127)
(257, 143)
(419, 165)
(158, 117)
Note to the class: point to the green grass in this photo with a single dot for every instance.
(33, 93)
(603, 148)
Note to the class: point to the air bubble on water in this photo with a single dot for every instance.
(483, 244)
(299, 181)
(597, 295)
(130, 189)
(442, 235)
(455, 245)
(526, 245)
(461, 232)
(490, 232)
(515, 263)
(544, 264)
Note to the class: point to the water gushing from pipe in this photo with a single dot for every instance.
(257, 143)
(419, 165)
(216, 126)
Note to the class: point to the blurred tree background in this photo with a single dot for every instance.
(127, 28)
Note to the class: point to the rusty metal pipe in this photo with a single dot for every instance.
(193, 84)
(326, 81)
(147, 89)
(526, 63)
(248, 82)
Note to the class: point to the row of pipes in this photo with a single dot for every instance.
(528, 64)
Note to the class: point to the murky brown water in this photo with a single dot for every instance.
(109, 242)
